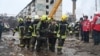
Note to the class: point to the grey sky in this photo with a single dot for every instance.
(15, 6)
(82, 5)
(86, 7)
(12, 6)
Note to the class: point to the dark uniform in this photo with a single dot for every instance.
(62, 30)
(96, 28)
(20, 28)
(1, 29)
(81, 29)
(70, 29)
(76, 30)
(28, 33)
(34, 34)
(42, 29)
(53, 27)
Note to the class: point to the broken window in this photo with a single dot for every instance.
(47, 6)
(33, 0)
(47, 1)
(47, 12)
(52, 1)
(33, 4)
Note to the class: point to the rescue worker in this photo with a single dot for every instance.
(53, 27)
(86, 29)
(96, 28)
(20, 28)
(81, 29)
(70, 28)
(76, 30)
(91, 32)
(1, 28)
(28, 32)
(62, 30)
(34, 34)
(42, 30)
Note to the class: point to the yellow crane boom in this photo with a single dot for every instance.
(54, 9)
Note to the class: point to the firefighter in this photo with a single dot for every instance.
(28, 32)
(20, 28)
(86, 29)
(81, 28)
(34, 34)
(53, 27)
(70, 28)
(96, 28)
(42, 29)
(76, 30)
(62, 30)
(1, 28)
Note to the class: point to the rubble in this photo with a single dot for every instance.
(72, 47)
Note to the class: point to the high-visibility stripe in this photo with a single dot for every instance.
(58, 35)
(70, 32)
(14, 30)
(21, 45)
(55, 32)
(63, 36)
(30, 27)
(58, 31)
(59, 47)
(20, 31)
(27, 36)
(38, 25)
(34, 33)
(31, 45)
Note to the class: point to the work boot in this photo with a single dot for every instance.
(32, 49)
(52, 50)
(59, 51)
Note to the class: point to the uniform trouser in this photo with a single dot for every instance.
(26, 42)
(52, 43)
(82, 35)
(21, 42)
(60, 44)
(77, 35)
(86, 36)
(33, 42)
(0, 34)
(41, 44)
(96, 37)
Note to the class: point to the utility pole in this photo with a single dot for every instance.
(74, 8)
(95, 5)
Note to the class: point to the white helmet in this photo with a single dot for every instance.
(36, 17)
(32, 20)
